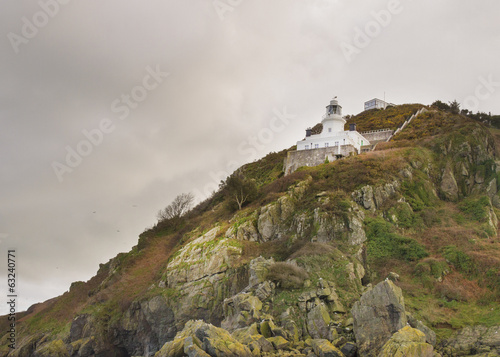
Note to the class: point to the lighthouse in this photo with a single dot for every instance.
(333, 134)
(332, 120)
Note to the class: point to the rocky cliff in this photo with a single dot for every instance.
(367, 256)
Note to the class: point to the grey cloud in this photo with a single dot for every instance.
(226, 77)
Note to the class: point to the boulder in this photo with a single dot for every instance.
(290, 326)
(245, 335)
(349, 349)
(263, 344)
(378, 314)
(212, 340)
(279, 342)
(407, 342)
(318, 320)
(264, 290)
(241, 310)
(323, 348)
(430, 336)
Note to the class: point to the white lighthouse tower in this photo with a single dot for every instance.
(333, 133)
(332, 120)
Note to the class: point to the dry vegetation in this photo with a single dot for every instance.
(287, 275)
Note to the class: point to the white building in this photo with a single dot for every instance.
(333, 134)
(376, 103)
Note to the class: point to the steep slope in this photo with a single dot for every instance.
(291, 264)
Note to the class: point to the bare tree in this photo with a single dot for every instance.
(178, 208)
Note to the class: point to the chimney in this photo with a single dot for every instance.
(308, 132)
(352, 127)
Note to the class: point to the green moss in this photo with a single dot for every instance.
(418, 194)
(405, 217)
(55, 348)
(432, 267)
(42, 323)
(446, 317)
(332, 267)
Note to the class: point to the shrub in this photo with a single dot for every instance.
(432, 267)
(417, 195)
(460, 260)
(406, 218)
(430, 217)
(313, 249)
(475, 208)
(287, 275)
(383, 243)
(440, 105)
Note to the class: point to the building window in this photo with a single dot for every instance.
(316, 146)
(344, 141)
(361, 142)
(329, 130)
(307, 147)
(326, 145)
(336, 143)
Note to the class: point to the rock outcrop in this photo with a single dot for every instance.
(201, 339)
(430, 336)
(377, 316)
(371, 198)
(449, 187)
(323, 348)
(472, 340)
(407, 342)
(204, 273)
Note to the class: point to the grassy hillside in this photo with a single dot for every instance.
(390, 118)
(446, 251)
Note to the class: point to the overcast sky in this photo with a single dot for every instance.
(109, 109)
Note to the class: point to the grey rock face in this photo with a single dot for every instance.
(449, 186)
(198, 337)
(258, 269)
(378, 314)
(241, 310)
(472, 340)
(371, 198)
(430, 336)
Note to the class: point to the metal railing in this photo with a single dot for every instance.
(375, 131)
